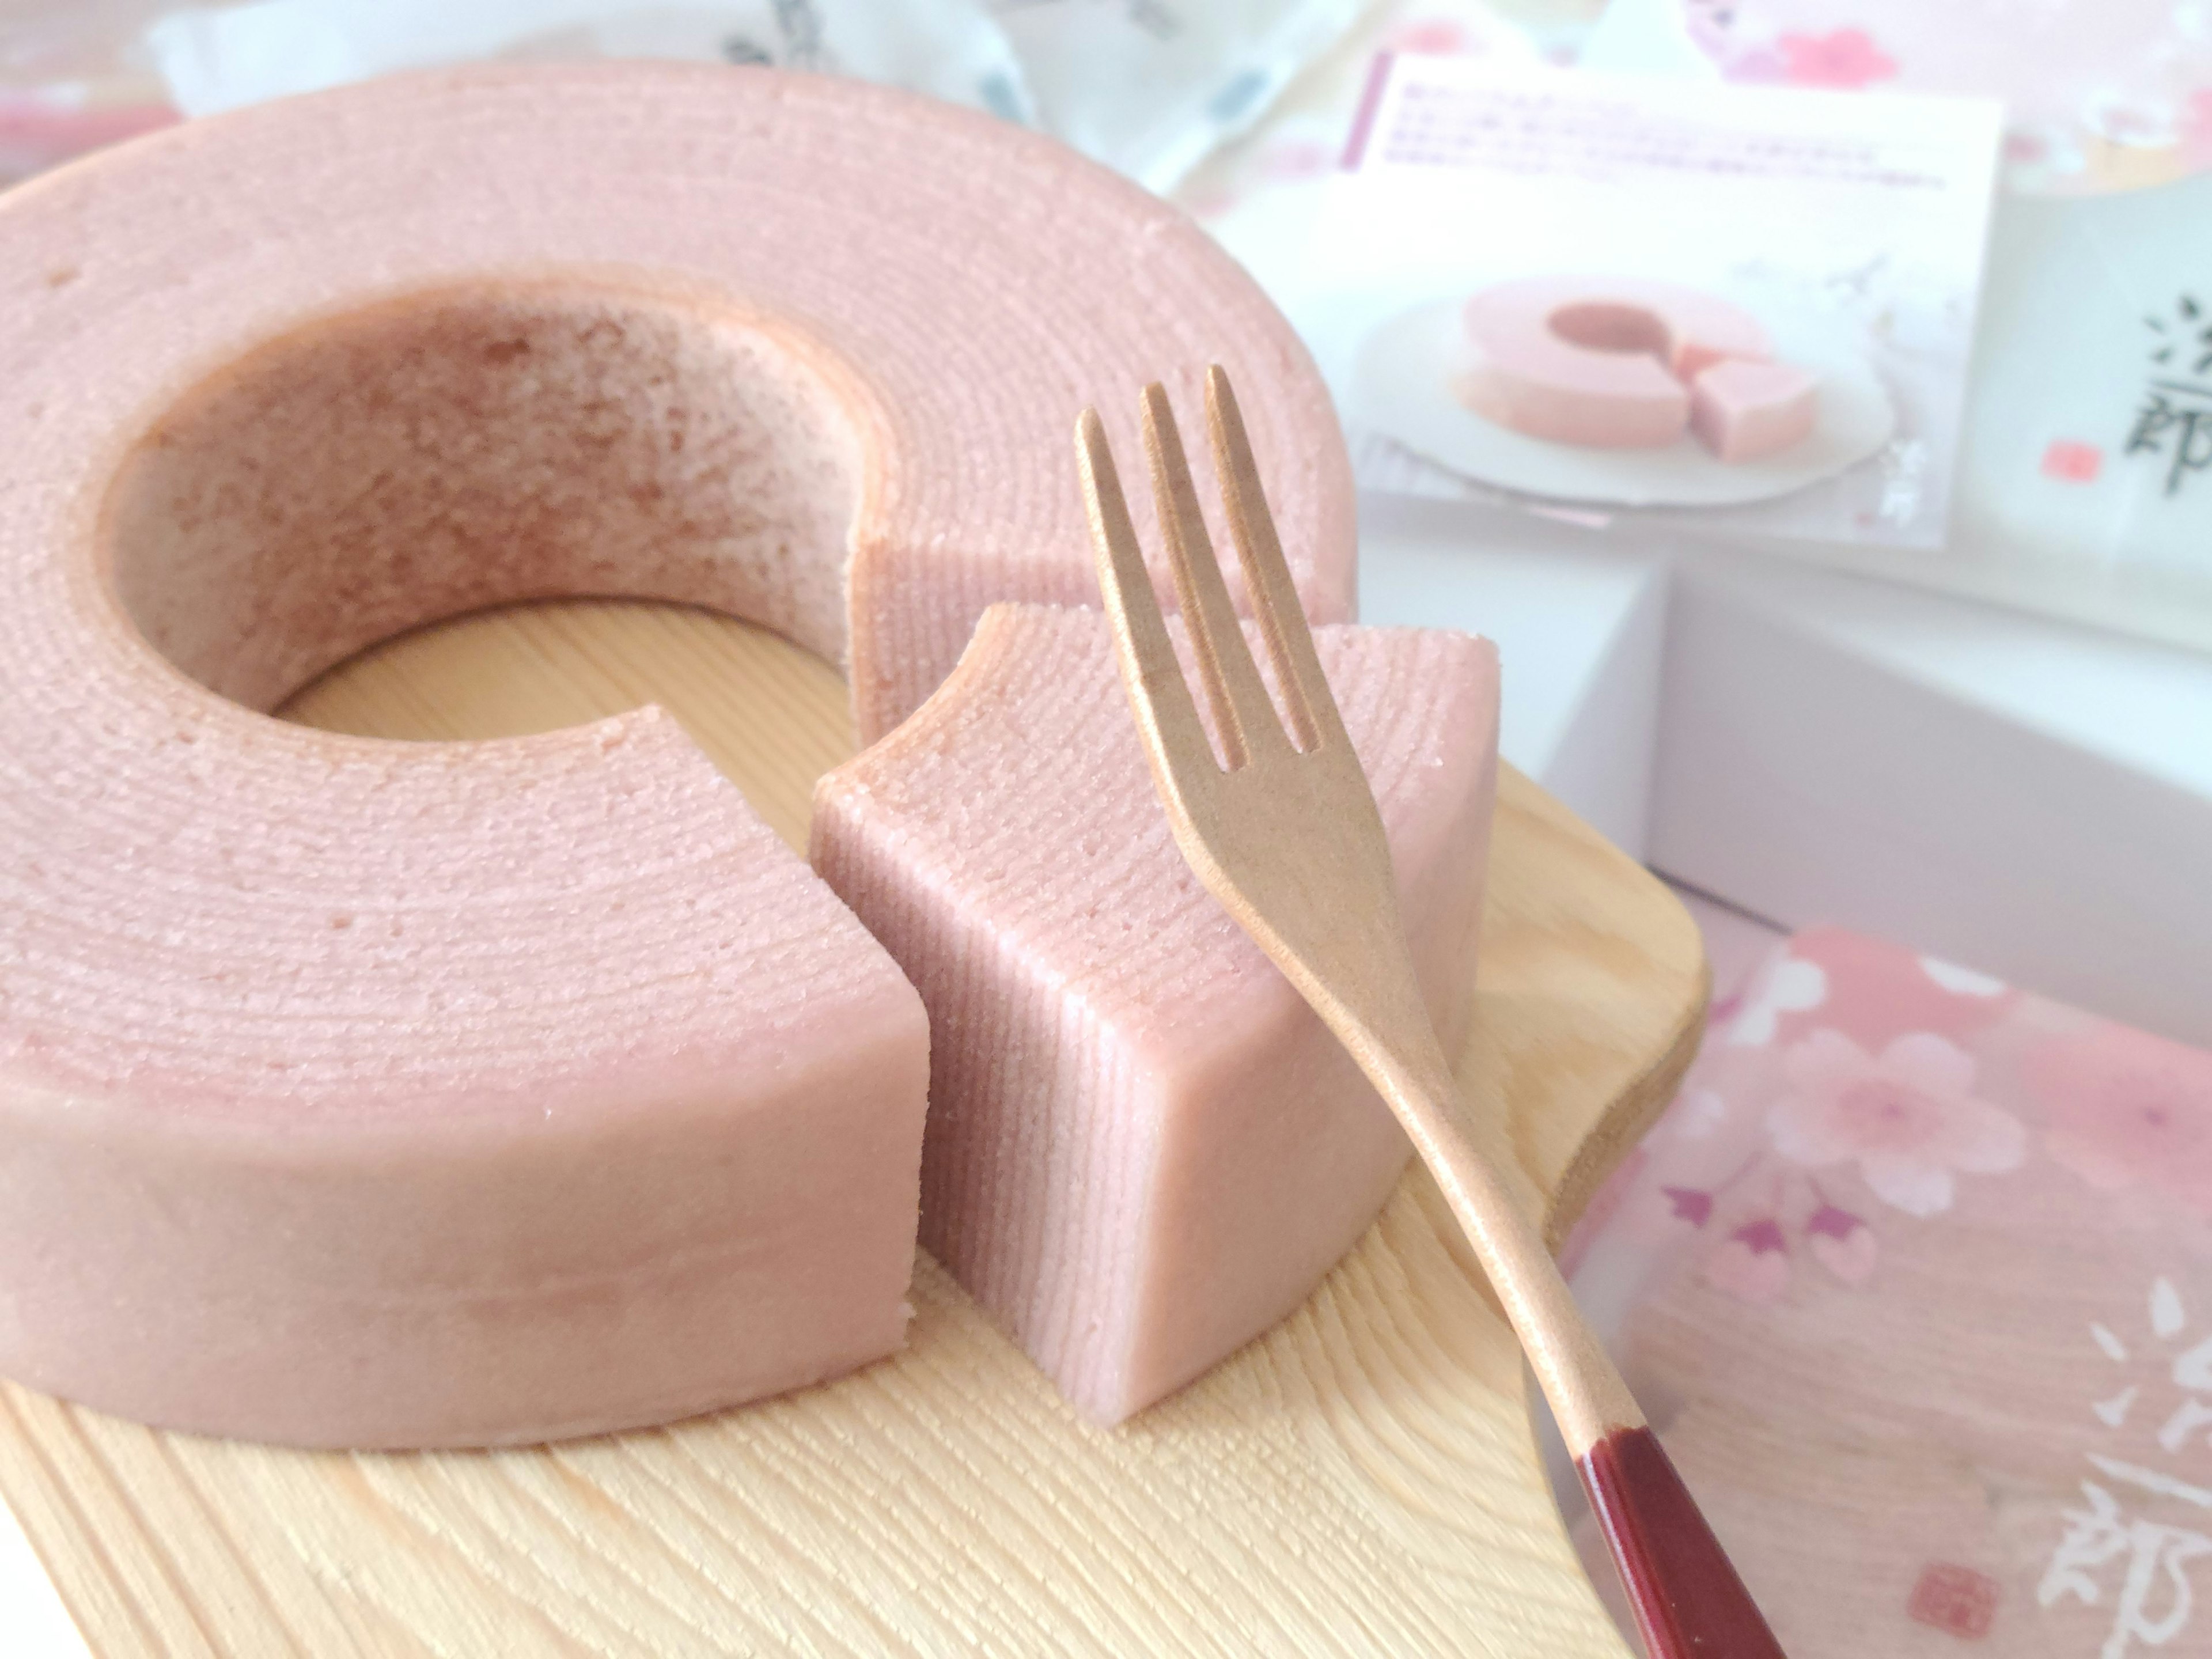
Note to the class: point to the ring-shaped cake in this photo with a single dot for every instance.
(361, 1093)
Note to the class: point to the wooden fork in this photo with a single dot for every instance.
(1288, 838)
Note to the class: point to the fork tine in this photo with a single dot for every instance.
(1241, 706)
(1282, 618)
(1167, 719)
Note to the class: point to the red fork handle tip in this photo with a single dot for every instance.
(1689, 1603)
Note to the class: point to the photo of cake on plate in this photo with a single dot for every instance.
(1606, 363)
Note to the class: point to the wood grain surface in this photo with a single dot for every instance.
(1361, 1480)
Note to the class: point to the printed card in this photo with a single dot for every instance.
(1747, 307)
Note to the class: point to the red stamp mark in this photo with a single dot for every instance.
(2071, 461)
(1956, 1600)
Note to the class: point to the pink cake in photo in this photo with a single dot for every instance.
(1623, 363)
(1741, 409)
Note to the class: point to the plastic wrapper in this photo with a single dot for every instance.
(1148, 87)
(70, 83)
(1151, 87)
(217, 58)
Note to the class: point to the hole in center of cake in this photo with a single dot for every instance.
(1601, 326)
(443, 451)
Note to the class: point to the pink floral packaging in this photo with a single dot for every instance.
(1916, 1276)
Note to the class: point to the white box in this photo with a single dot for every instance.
(1579, 625)
(2026, 796)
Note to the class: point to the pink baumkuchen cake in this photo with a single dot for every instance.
(362, 1093)
(1622, 364)
(1143, 1147)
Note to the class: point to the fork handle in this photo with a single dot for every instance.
(1688, 1601)
(1687, 1596)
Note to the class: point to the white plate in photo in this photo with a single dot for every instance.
(1401, 387)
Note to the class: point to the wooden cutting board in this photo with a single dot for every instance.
(1361, 1479)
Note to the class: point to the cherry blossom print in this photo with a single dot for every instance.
(1789, 987)
(1842, 1242)
(1906, 1116)
(1845, 59)
(1877, 991)
(1697, 1114)
(1961, 981)
(1753, 1263)
(2125, 1109)
(1692, 1203)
